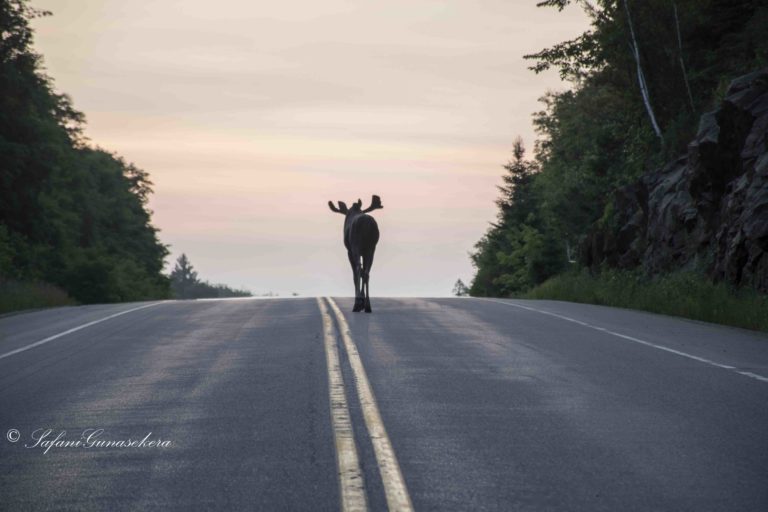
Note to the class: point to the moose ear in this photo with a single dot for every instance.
(359, 203)
(375, 204)
(341, 209)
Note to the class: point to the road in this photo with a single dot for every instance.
(438, 404)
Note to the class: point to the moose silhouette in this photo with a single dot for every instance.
(361, 234)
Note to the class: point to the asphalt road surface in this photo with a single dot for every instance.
(426, 404)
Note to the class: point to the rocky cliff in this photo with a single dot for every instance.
(708, 209)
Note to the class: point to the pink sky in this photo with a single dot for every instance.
(249, 116)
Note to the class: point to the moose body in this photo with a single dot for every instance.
(361, 234)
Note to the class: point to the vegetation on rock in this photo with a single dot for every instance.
(673, 59)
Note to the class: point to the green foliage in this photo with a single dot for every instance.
(573, 58)
(685, 294)
(17, 295)
(70, 215)
(597, 136)
(186, 285)
(459, 289)
(520, 250)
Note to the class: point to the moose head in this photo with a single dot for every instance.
(361, 234)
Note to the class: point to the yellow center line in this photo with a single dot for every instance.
(395, 489)
(351, 483)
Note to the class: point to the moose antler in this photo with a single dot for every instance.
(341, 209)
(375, 204)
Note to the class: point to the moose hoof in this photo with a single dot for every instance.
(368, 310)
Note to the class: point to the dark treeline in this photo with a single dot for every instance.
(70, 214)
(641, 76)
(186, 285)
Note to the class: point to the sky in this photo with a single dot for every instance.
(251, 115)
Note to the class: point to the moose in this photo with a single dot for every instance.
(361, 234)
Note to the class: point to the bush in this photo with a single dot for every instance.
(686, 294)
(18, 295)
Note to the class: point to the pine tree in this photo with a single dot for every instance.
(519, 251)
(460, 289)
(185, 284)
(183, 278)
(515, 203)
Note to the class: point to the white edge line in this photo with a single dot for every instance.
(351, 482)
(636, 340)
(392, 479)
(75, 329)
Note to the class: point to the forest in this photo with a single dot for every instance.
(74, 221)
(640, 79)
(73, 217)
(185, 284)
(75, 226)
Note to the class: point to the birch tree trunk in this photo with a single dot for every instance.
(640, 76)
(680, 55)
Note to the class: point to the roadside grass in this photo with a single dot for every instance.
(18, 295)
(685, 294)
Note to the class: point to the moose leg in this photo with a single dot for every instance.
(366, 274)
(354, 260)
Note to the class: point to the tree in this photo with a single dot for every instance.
(183, 277)
(640, 75)
(603, 132)
(681, 58)
(71, 214)
(520, 250)
(516, 201)
(460, 289)
(186, 285)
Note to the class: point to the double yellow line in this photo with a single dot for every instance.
(351, 482)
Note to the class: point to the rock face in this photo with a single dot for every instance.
(709, 208)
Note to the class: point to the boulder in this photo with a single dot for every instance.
(708, 207)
